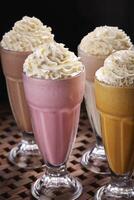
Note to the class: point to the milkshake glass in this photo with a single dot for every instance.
(116, 108)
(93, 50)
(94, 158)
(55, 109)
(16, 45)
(26, 153)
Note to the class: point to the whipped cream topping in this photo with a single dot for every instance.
(26, 35)
(118, 69)
(105, 40)
(52, 61)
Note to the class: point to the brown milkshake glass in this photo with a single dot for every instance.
(26, 154)
(93, 50)
(116, 108)
(23, 38)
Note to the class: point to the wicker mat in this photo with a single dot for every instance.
(15, 183)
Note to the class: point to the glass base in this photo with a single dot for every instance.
(95, 160)
(57, 187)
(109, 192)
(26, 155)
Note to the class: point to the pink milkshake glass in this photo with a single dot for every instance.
(94, 158)
(25, 154)
(55, 110)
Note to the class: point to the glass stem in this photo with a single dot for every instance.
(28, 143)
(56, 171)
(121, 181)
(28, 137)
(120, 186)
(98, 141)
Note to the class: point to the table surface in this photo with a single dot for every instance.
(15, 183)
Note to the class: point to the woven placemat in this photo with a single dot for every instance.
(15, 183)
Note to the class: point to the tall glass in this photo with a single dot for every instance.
(116, 107)
(94, 158)
(26, 154)
(55, 110)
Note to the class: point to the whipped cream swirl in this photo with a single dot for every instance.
(52, 61)
(26, 35)
(105, 40)
(118, 69)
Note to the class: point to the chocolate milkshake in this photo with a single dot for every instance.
(12, 63)
(16, 45)
(93, 50)
(56, 88)
(114, 87)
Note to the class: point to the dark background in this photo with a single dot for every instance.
(70, 20)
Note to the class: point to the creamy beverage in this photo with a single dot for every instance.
(26, 35)
(91, 65)
(16, 45)
(55, 81)
(114, 86)
(93, 50)
(91, 108)
(12, 63)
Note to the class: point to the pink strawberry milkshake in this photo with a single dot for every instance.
(55, 109)
(54, 91)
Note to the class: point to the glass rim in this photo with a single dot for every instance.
(14, 52)
(58, 80)
(112, 86)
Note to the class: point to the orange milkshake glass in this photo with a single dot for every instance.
(93, 50)
(114, 87)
